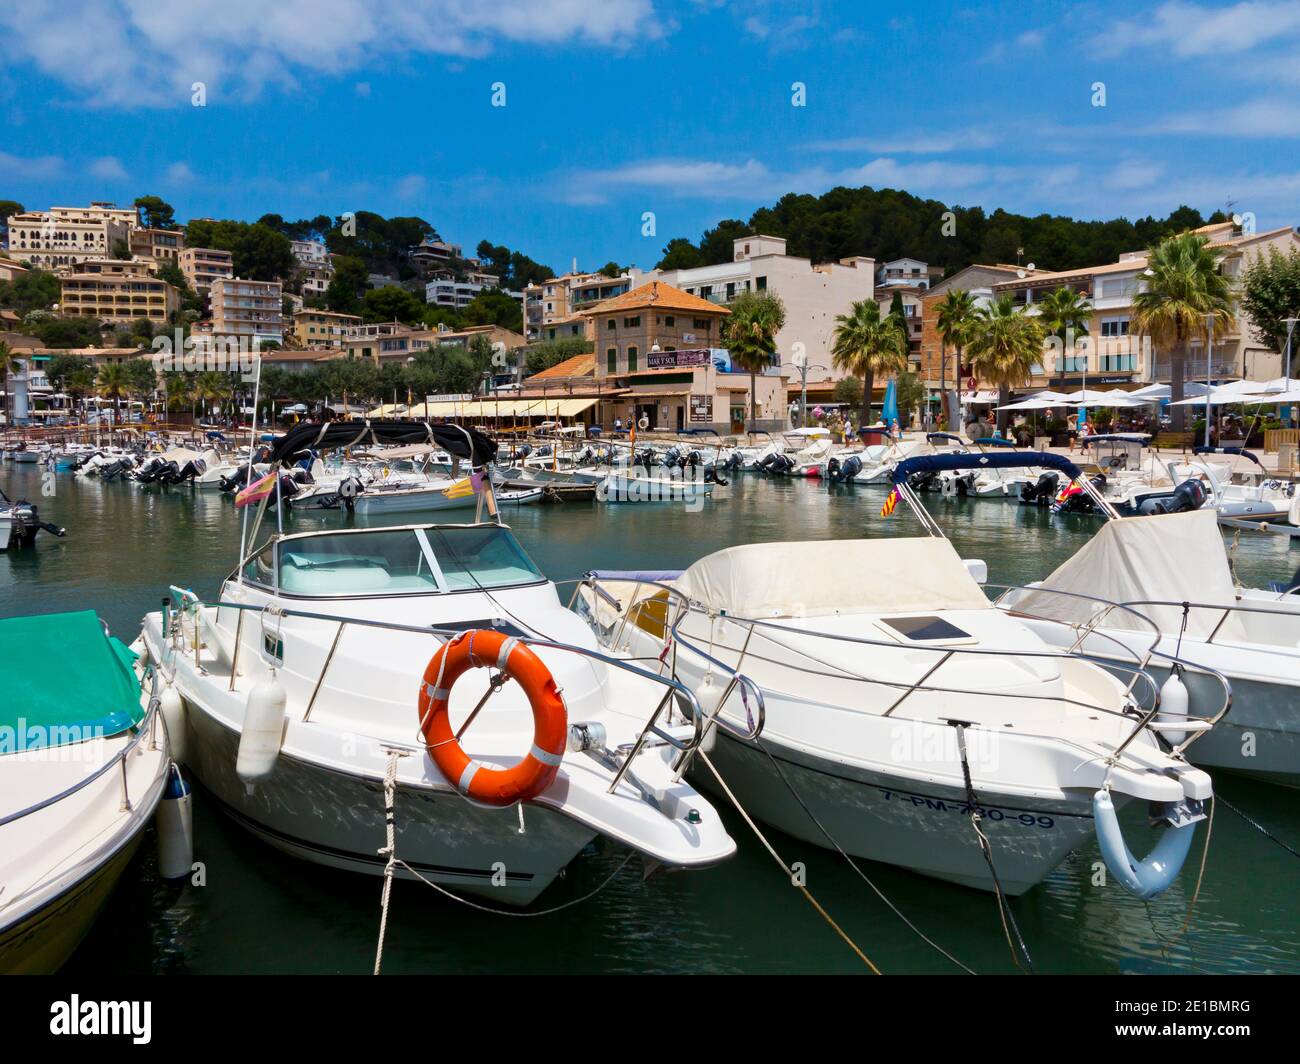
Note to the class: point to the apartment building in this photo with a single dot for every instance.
(322, 328)
(814, 294)
(445, 291)
(1112, 353)
(117, 292)
(160, 245)
(659, 352)
(907, 273)
(315, 266)
(68, 236)
(247, 309)
(204, 266)
(561, 300)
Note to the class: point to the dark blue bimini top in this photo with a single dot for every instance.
(1228, 450)
(935, 463)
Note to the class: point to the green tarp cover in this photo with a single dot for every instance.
(63, 680)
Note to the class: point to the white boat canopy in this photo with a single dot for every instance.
(765, 580)
(1165, 558)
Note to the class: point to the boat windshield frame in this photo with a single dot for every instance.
(440, 583)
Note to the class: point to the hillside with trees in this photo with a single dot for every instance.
(889, 224)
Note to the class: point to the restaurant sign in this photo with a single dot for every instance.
(702, 409)
(672, 359)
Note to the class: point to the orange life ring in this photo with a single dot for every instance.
(493, 786)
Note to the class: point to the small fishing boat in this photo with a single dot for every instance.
(333, 668)
(895, 700)
(80, 778)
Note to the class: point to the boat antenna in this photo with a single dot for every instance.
(252, 446)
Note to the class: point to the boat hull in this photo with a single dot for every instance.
(924, 827)
(338, 820)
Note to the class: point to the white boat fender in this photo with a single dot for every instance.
(1153, 874)
(1174, 703)
(175, 823)
(263, 731)
(172, 708)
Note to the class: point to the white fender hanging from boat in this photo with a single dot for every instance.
(263, 730)
(172, 707)
(1173, 707)
(1153, 874)
(175, 823)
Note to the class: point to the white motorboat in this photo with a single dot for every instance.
(1170, 575)
(20, 522)
(676, 487)
(329, 659)
(80, 779)
(1251, 494)
(892, 699)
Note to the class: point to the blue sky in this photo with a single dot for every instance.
(618, 107)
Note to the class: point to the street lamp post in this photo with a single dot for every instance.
(1209, 349)
(803, 367)
(1286, 367)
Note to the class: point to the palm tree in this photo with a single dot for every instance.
(1064, 313)
(211, 386)
(6, 357)
(957, 312)
(867, 343)
(114, 382)
(750, 335)
(1183, 285)
(1005, 345)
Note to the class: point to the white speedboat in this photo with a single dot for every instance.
(330, 660)
(1170, 575)
(895, 699)
(628, 486)
(80, 779)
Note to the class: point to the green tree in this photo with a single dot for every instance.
(848, 390)
(61, 332)
(7, 364)
(258, 252)
(1271, 295)
(749, 333)
(121, 250)
(1064, 313)
(155, 212)
(867, 343)
(392, 303)
(114, 382)
(1183, 286)
(347, 285)
(611, 269)
(8, 208)
(1005, 345)
(548, 353)
(680, 254)
(34, 290)
(955, 322)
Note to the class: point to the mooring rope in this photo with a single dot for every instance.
(1256, 825)
(784, 867)
(854, 865)
(1008, 917)
(389, 850)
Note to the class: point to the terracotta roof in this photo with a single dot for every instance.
(656, 294)
(577, 366)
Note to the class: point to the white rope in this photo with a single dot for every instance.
(389, 850)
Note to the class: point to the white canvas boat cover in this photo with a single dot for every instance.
(1165, 557)
(817, 578)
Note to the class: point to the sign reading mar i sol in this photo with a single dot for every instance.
(702, 408)
(670, 359)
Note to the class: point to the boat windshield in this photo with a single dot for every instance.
(397, 561)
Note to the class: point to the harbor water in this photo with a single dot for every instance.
(261, 911)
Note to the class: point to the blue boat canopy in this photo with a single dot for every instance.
(1241, 451)
(935, 463)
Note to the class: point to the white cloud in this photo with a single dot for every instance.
(410, 186)
(178, 174)
(1187, 29)
(1255, 118)
(109, 168)
(911, 144)
(38, 168)
(140, 52)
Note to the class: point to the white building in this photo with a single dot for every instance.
(445, 291)
(315, 264)
(66, 236)
(247, 309)
(906, 273)
(813, 294)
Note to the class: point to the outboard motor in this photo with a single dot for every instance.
(25, 522)
(777, 465)
(1074, 500)
(926, 481)
(1041, 492)
(1189, 495)
(349, 489)
(670, 459)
